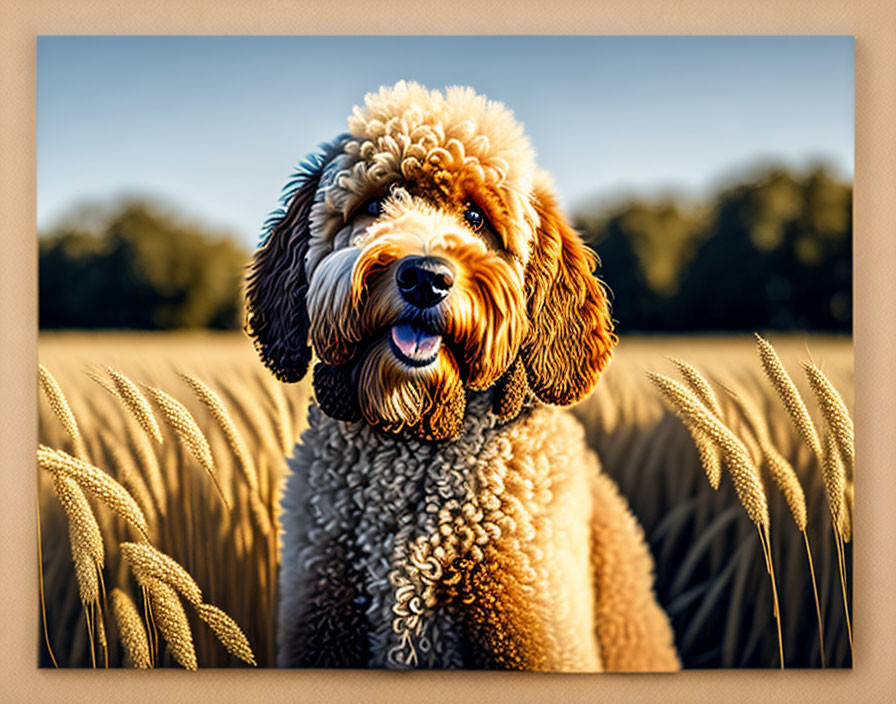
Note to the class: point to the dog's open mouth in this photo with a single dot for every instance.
(414, 345)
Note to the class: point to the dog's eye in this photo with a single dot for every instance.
(373, 207)
(475, 218)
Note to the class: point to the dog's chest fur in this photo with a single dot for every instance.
(402, 553)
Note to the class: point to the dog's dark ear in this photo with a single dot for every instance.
(571, 336)
(276, 282)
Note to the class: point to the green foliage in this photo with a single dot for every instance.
(775, 252)
(141, 269)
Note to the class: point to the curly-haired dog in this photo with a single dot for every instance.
(441, 511)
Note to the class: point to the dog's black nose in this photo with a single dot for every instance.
(424, 281)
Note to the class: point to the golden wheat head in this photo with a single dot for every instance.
(129, 394)
(787, 482)
(149, 563)
(788, 393)
(187, 430)
(168, 614)
(699, 385)
(743, 474)
(59, 405)
(96, 482)
(130, 629)
(834, 412)
(228, 632)
(237, 444)
(709, 456)
(779, 468)
(219, 412)
(834, 481)
(84, 536)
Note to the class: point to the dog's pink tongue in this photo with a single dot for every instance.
(415, 343)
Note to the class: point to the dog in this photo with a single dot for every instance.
(442, 511)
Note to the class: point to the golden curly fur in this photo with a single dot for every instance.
(438, 513)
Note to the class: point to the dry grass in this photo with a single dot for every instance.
(743, 473)
(231, 553)
(711, 576)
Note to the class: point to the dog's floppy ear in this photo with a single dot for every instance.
(570, 338)
(276, 283)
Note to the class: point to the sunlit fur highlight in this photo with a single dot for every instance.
(571, 338)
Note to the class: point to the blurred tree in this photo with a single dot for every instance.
(777, 254)
(774, 252)
(142, 270)
(643, 251)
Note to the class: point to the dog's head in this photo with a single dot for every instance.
(420, 255)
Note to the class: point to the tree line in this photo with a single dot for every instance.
(771, 252)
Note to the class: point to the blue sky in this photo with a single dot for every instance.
(213, 126)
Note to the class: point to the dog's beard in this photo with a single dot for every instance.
(429, 400)
(381, 345)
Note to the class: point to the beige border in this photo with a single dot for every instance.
(872, 22)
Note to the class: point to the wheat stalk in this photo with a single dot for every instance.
(171, 620)
(96, 482)
(129, 394)
(834, 412)
(838, 462)
(59, 405)
(788, 393)
(40, 576)
(219, 412)
(185, 427)
(699, 385)
(709, 457)
(834, 480)
(149, 563)
(146, 457)
(130, 629)
(779, 468)
(834, 484)
(105, 383)
(84, 536)
(130, 476)
(743, 474)
(785, 478)
(227, 631)
(838, 447)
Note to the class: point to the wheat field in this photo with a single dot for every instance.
(209, 496)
